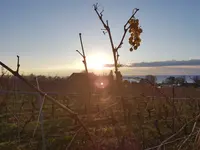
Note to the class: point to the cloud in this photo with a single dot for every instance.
(119, 65)
(192, 62)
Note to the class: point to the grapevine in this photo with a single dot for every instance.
(135, 31)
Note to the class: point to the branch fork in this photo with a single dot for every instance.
(107, 28)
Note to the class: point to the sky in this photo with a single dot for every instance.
(45, 34)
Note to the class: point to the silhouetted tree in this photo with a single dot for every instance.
(175, 80)
(143, 80)
(170, 80)
(150, 78)
(126, 83)
(196, 80)
(180, 80)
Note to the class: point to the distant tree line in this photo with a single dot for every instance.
(175, 80)
(171, 80)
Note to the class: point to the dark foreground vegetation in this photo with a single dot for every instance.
(145, 117)
(87, 112)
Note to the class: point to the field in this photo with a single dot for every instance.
(145, 117)
(86, 111)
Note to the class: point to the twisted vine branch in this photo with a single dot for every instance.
(107, 29)
(72, 114)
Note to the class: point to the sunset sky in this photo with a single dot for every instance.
(45, 33)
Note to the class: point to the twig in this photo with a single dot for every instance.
(125, 30)
(100, 16)
(106, 26)
(18, 65)
(39, 115)
(13, 114)
(197, 138)
(158, 129)
(39, 91)
(2, 73)
(193, 128)
(178, 139)
(26, 122)
(86, 70)
(70, 143)
(132, 16)
(177, 132)
(80, 53)
(71, 113)
(110, 106)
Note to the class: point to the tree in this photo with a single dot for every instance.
(126, 83)
(150, 78)
(196, 80)
(170, 80)
(180, 80)
(175, 80)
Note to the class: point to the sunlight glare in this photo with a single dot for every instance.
(97, 61)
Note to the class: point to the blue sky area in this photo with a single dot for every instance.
(45, 34)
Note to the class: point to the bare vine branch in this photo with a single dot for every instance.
(126, 29)
(18, 65)
(132, 16)
(86, 70)
(107, 28)
(80, 53)
(166, 140)
(69, 145)
(71, 113)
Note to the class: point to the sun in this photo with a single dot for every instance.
(97, 61)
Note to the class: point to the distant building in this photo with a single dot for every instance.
(78, 82)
